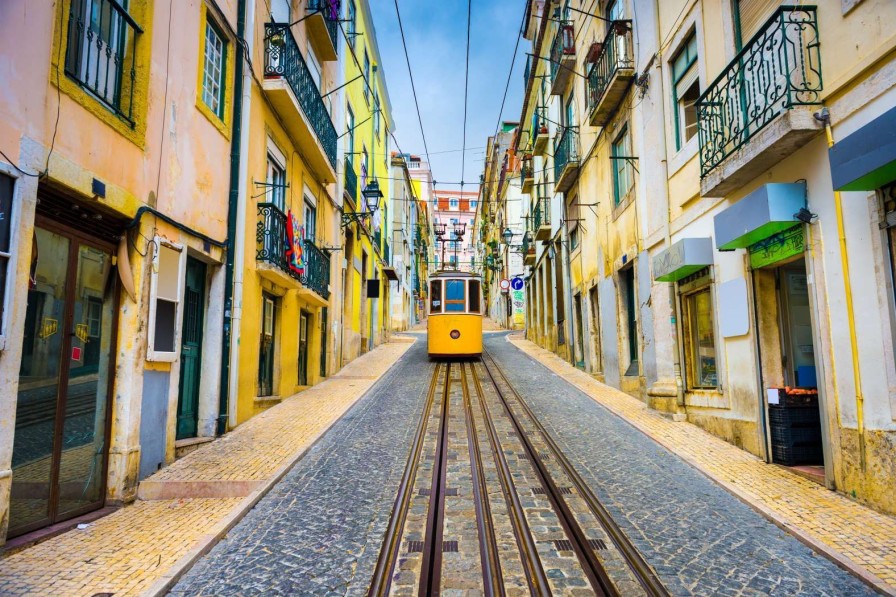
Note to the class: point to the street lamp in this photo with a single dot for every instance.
(507, 235)
(372, 195)
(551, 252)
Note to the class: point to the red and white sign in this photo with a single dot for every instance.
(76, 353)
(505, 284)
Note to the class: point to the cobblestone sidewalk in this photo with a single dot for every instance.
(140, 548)
(860, 538)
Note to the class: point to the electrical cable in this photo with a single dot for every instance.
(463, 160)
(413, 87)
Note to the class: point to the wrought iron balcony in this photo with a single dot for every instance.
(563, 57)
(611, 70)
(527, 174)
(541, 219)
(272, 246)
(323, 27)
(351, 181)
(101, 56)
(282, 59)
(566, 159)
(539, 130)
(777, 70)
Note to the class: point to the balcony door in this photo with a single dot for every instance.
(61, 437)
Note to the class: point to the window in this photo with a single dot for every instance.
(376, 114)
(435, 296)
(213, 70)
(314, 67)
(700, 347)
(364, 164)
(473, 205)
(454, 204)
(366, 77)
(7, 186)
(474, 296)
(100, 52)
(165, 307)
(310, 221)
(276, 180)
(685, 91)
(350, 133)
(574, 238)
(623, 179)
(351, 23)
(280, 11)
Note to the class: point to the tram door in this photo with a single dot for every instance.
(60, 445)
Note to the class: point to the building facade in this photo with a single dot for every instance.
(454, 210)
(719, 173)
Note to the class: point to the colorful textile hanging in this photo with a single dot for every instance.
(295, 255)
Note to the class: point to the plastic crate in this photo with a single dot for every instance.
(794, 455)
(794, 415)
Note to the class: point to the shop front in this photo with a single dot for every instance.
(61, 442)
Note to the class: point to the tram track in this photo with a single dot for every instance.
(494, 462)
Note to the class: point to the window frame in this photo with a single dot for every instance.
(275, 159)
(366, 76)
(210, 25)
(309, 212)
(12, 255)
(433, 284)
(162, 356)
(691, 69)
(351, 17)
(624, 139)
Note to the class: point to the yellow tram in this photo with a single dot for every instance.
(454, 325)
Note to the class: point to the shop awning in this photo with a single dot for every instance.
(769, 209)
(390, 273)
(683, 258)
(866, 159)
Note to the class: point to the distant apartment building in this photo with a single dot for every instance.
(455, 210)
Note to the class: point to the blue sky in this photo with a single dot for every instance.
(436, 33)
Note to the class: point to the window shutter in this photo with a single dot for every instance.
(443, 204)
(465, 205)
(753, 14)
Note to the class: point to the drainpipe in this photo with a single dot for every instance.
(825, 117)
(236, 221)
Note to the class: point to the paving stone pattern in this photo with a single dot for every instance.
(320, 529)
(699, 538)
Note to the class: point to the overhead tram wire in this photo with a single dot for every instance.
(463, 157)
(413, 86)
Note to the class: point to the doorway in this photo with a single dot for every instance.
(267, 347)
(364, 305)
(303, 348)
(627, 277)
(580, 333)
(191, 350)
(61, 442)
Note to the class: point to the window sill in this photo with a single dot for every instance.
(683, 156)
(217, 122)
(623, 205)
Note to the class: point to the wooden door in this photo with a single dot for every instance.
(191, 350)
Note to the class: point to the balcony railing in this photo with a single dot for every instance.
(282, 58)
(330, 10)
(351, 181)
(563, 47)
(272, 244)
(541, 215)
(539, 130)
(101, 53)
(614, 59)
(779, 68)
(566, 155)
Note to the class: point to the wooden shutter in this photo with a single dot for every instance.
(443, 204)
(465, 205)
(753, 14)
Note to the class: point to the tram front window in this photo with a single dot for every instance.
(455, 299)
(435, 296)
(474, 296)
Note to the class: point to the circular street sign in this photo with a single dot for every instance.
(505, 284)
(517, 283)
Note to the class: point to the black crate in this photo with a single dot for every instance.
(794, 455)
(794, 415)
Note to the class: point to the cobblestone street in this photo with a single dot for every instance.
(320, 530)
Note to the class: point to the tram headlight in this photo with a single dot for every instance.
(455, 334)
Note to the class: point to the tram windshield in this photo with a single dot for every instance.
(455, 297)
(435, 296)
(474, 296)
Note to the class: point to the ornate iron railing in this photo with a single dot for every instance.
(564, 45)
(317, 270)
(272, 244)
(539, 122)
(779, 68)
(101, 53)
(615, 53)
(330, 10)
(282, 58)
(566, 151)
(351, 181)
(541, 215)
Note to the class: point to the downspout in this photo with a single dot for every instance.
(236, 220)
(850, 309)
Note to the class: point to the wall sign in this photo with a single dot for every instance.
(778, 247)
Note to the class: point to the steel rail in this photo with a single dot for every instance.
(592, 567)
(535, 574)
(488, 545)
(385, 565)
(639, 566)
(431, 573)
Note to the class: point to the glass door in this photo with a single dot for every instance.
(61, 434)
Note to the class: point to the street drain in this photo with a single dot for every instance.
(563, 545)
(538, 490)
(449, 546)
(597, 544)
(415, 546)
